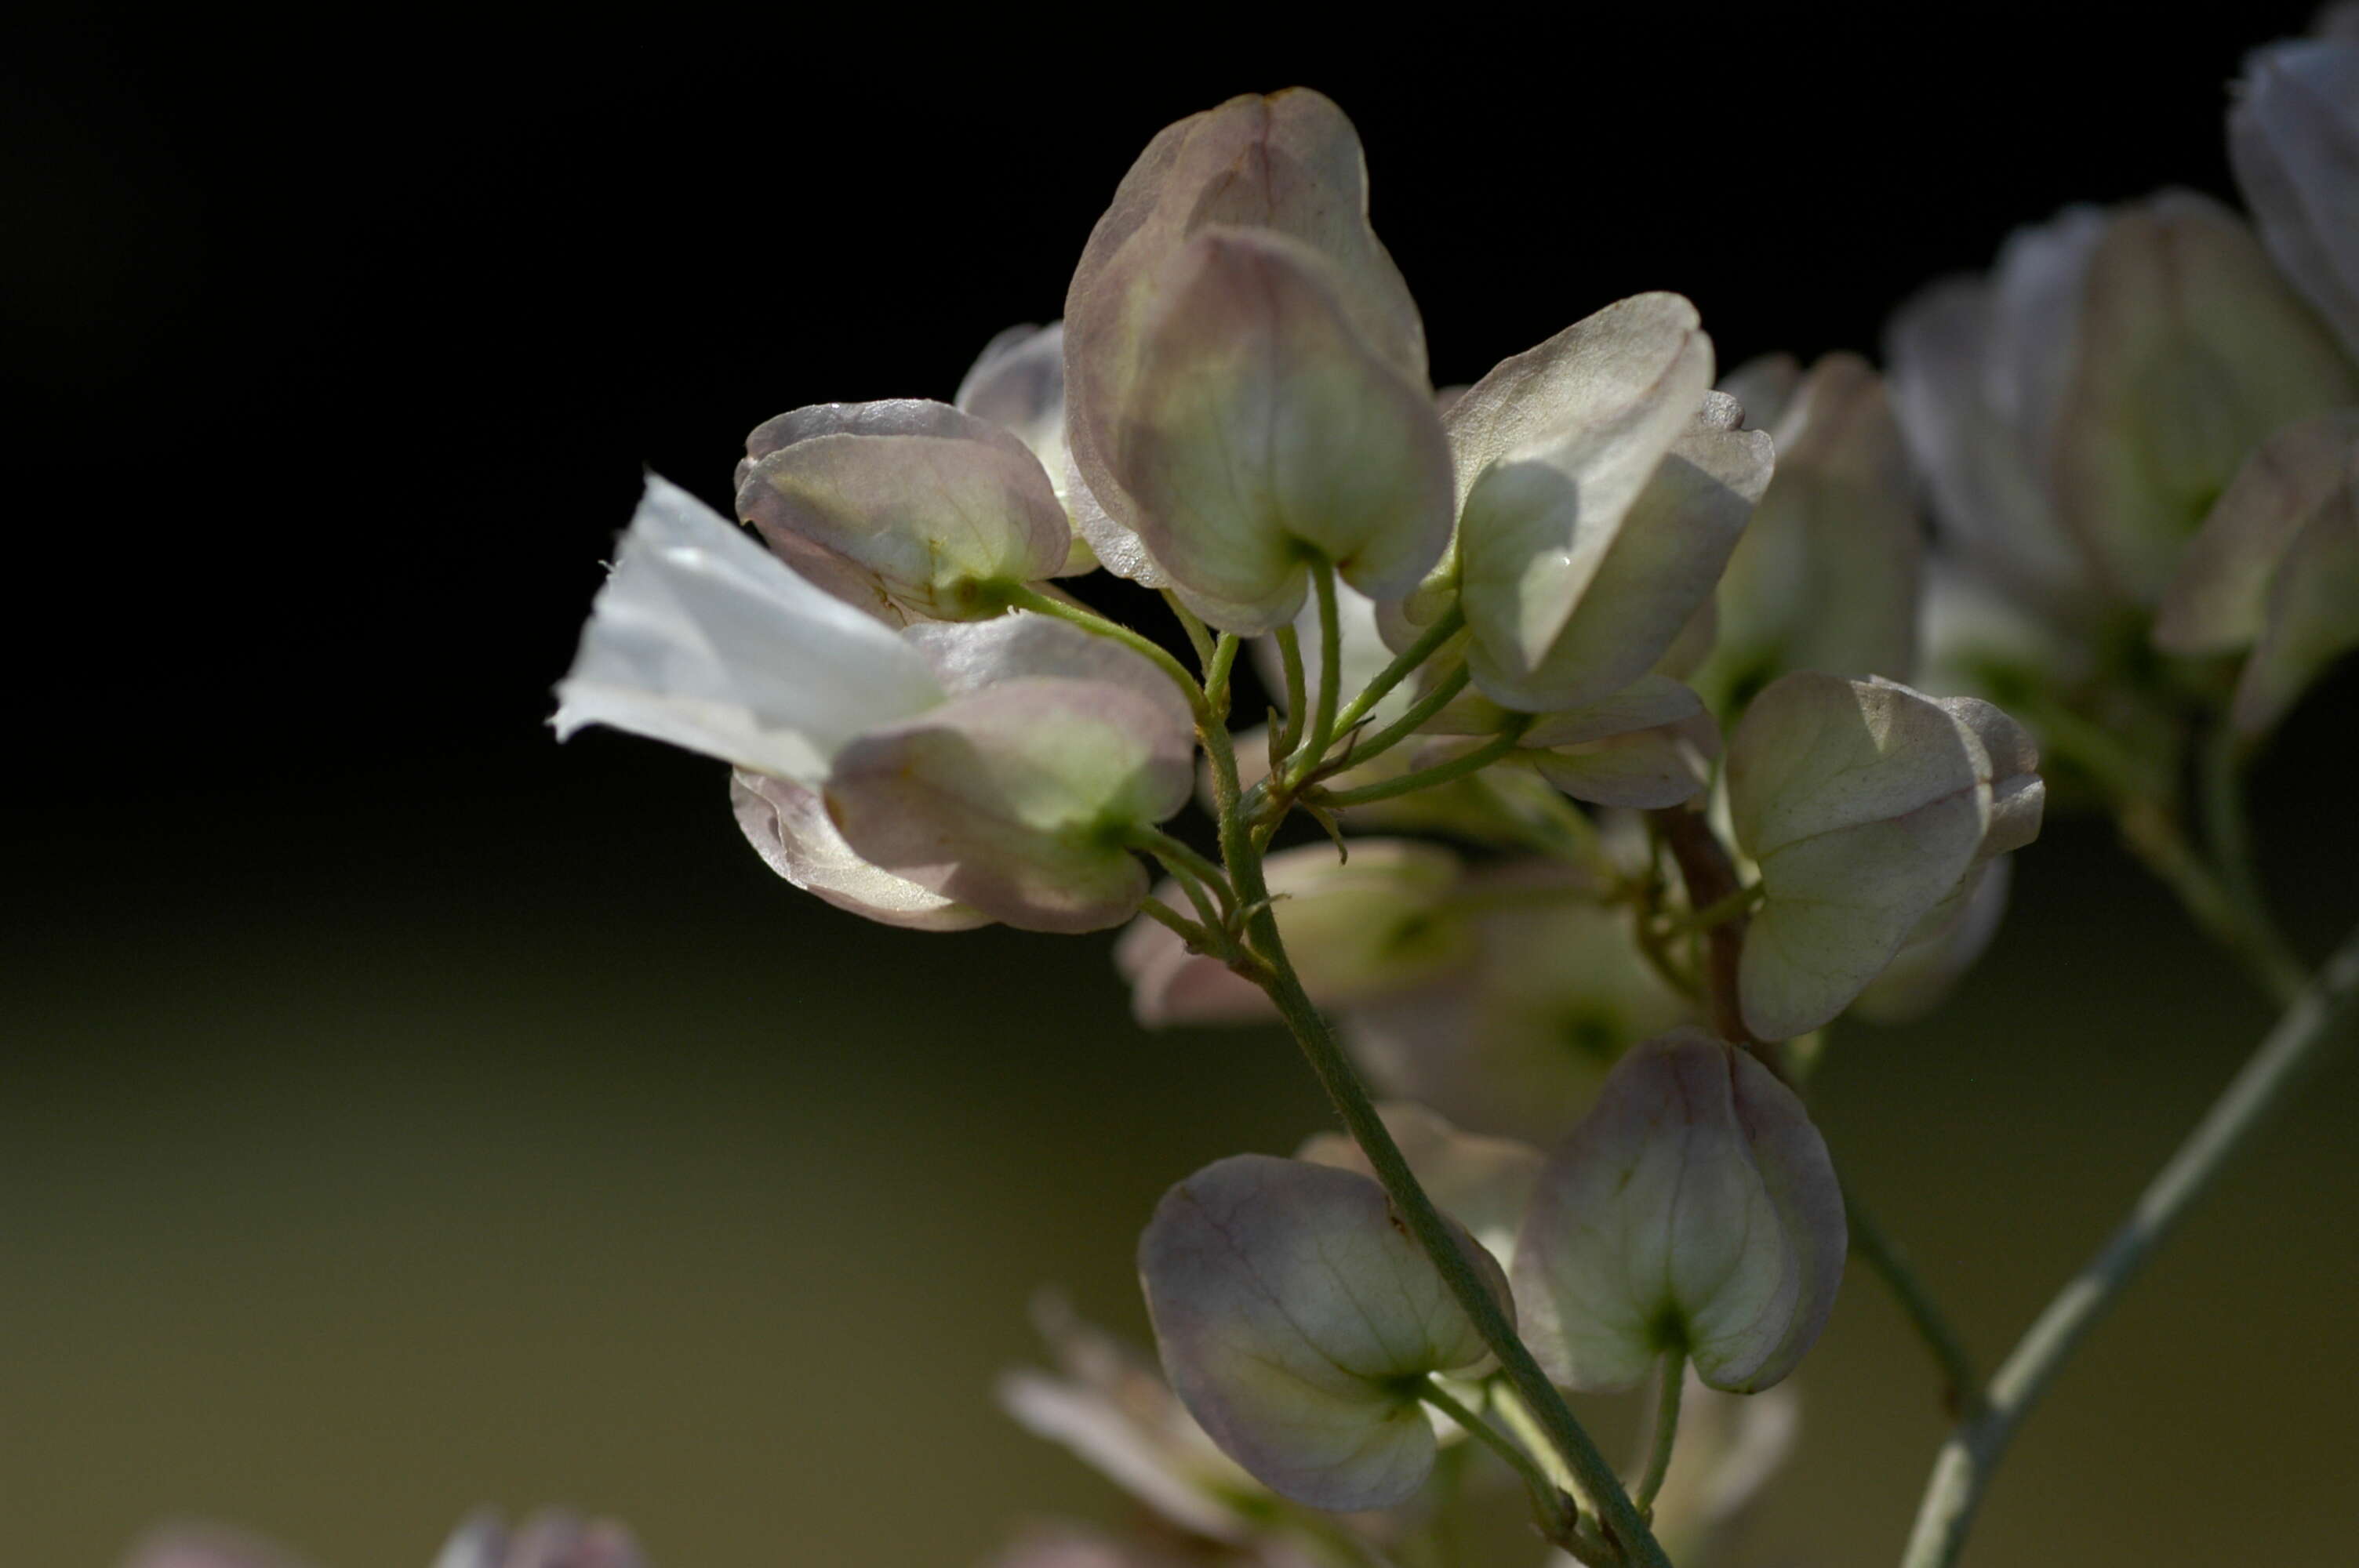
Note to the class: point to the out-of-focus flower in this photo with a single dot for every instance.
(2275, 570)
(550, 1538)
(2293, 139)
(1825, 577)
(192, 1546)
(1646, 745)
(1603, 487)
(1518, 1041)
(1864, 804)
(1693, 1213)
(1112, 1409)
(2078, 412)
(1730, 1446)
(996, 764)
(1295, 1317)
(907, 508)
(1485, 1184)
(1355, 930)
(1245, 370)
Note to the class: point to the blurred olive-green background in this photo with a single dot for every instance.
(544, 1147)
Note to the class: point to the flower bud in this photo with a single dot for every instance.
(1694, 1212)
(1288, 164)
(1824, 577)
(1483, 1183)
(2273, 567)
(1296, 1318)
(1260, 428)
(1601, 498)
(932, 511)
(1864, 804)
(2293, 139)
(1355, 929)
(702, 638)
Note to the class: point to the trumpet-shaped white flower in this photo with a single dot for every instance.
(997, 765)
(703, 639)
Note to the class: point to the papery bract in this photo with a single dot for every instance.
(1288, 164)
(1260, 428)
(1482, 1183)
(1694, 1212)
(703, 638)
(1354, 929)
(1864, 804)
(2293, 139)
(789, 826)
(1018, 793)
(1825, 576)
(935, 511)
(1296, 1318)
(1597, 478)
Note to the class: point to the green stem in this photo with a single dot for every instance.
(1289, 653)
(1098, 625)
(1670, 1383)
(1410, 722)
(1403, 667)
(1872, 1247)
(1550, 1506)
(1177, 856)
(1200, 637)
(1198, 936)
(2228, 830)
(1322, 732)
(2287, 1056)
(1595, 1477)
(1473, 762)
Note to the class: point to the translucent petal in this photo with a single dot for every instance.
(2311, 620)
(1260, 427)
(703, 638)
(1694, 1210)
(1018, 382)
(789, 826)
(1922, 975)
(940, 507)
(2218, 599)
(2293, 139)
(1862, 803)
(1292, 1309)
(1482, 1183)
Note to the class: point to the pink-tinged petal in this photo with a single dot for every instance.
(1170, 985)
(2293, 139)
(1482, 1183)
(1294, 1312)
(1825, 577)
(1289, 164)
(2192, 352)
(1693, 1211)
(945, 510)
(1017, 799)
(703, 639)
(1260, 427)
(1644, 770)
(2218, 599)
(1862, 803)
(1650, 578)
(1647, 703)
(789, 826)
(1553, 449)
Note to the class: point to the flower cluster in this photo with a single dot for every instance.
(1633, 725)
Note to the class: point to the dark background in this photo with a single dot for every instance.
(398, 1111)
